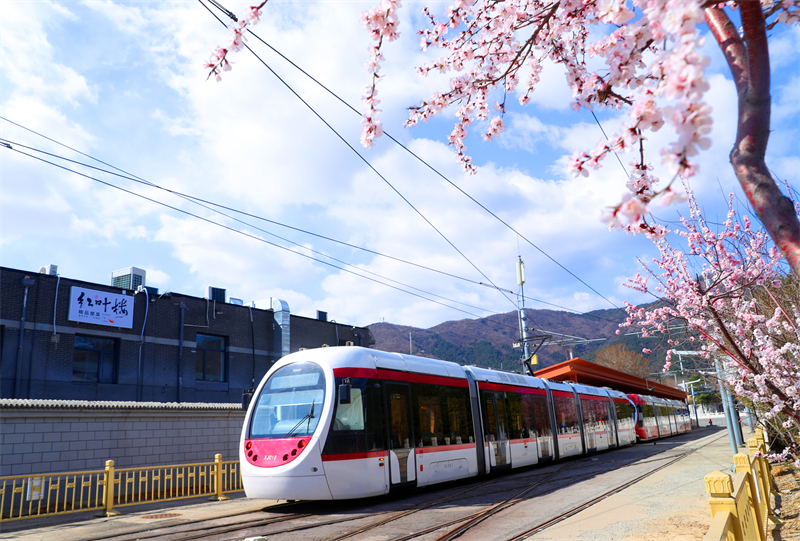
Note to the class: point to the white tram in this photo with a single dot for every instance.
(350, 422)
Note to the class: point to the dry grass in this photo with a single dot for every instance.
(787, 501)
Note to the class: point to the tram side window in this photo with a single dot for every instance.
(459, 421)
(442, 415)
(648, 415)
(624, 415)
(350, 416)
(601, 414)
(430, 420)
(357, 427)
(517, 424)
(659, 413)
(566, 414)
(589, 415)
(536, 416)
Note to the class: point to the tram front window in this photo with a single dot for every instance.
(290, 404)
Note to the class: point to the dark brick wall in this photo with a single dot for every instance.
(46, 361)
(313, 333)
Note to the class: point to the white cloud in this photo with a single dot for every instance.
(141, 102)
(27, 55)
(156, 277)
(125, 18)
(783, 47)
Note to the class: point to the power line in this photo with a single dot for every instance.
(197, 200)
(412, 153)
(357, 153)
(248, 235)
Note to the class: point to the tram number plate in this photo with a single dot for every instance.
(448, 469)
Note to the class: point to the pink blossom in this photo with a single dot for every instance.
(669, 196)
(219, 61)
(633, 208)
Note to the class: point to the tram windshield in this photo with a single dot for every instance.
(290, 404)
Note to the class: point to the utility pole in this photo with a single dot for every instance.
(523, 317)
(691, 383)
(726, 407)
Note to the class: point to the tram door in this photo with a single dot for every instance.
(402, 458)
(496, 428)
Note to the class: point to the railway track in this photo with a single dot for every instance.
(325, 521)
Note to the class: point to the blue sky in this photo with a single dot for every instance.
(123, 82)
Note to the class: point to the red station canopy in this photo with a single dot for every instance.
(589, 373)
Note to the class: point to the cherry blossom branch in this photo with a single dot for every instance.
(721, 306)
(218, 62)
(382, 23)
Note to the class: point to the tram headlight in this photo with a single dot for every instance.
(248, 445)
(301, 444)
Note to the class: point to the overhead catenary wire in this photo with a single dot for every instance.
(209, 205)
(412, 153)
(254, 237)
(360, 156)
(130, 176)
(8, 145)
(317, 252)
(192, 198)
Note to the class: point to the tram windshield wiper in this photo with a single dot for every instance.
(309, 416)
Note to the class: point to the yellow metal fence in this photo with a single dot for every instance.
(740, 506)
(27, 496)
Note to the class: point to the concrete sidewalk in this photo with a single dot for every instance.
(669, 505)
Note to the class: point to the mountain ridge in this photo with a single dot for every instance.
(488, 342)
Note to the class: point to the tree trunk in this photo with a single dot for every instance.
(748, 60)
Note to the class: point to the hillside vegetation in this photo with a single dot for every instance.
(488, 342)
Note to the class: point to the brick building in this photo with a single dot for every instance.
(86, 341)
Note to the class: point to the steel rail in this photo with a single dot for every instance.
(577, 509)
(586, 505)
(113, 537)
(518, 498)
(403, 514)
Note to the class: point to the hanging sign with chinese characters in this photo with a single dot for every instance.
(100, 307)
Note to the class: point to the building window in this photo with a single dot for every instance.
(95, 360)
(210, 364)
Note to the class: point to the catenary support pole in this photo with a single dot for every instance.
(523, 316)
(726, 408)
(737, 423)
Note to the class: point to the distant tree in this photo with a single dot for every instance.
(705, 399)
(619, 357)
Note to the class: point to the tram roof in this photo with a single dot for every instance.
(589, 373)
